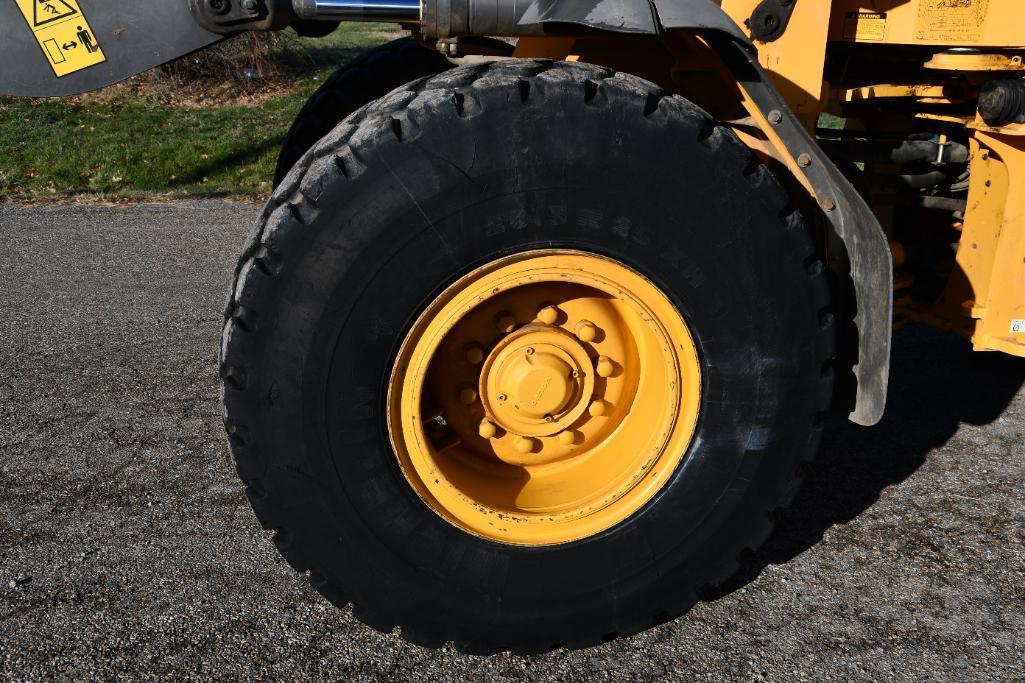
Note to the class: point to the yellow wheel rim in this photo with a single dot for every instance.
(544, 398)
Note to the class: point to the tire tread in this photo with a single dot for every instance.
(293, 206)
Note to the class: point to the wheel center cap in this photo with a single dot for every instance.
(539, 384)
(536, 381)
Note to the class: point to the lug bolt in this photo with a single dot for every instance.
(467, 396)
(567, 437)
(523, 444)
(487, 429)
(597, 408)
(604, 367)
(586, 331)
(505, 322)
(474, 353)
(548, 315)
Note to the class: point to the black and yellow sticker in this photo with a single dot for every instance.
(865, 26)
(63, 34)
(951, 20)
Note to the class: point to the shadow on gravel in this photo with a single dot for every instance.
(937, 383)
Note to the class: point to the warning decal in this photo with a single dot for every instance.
(864, 26)
(951, 20)
(46, 12)
(63, 34)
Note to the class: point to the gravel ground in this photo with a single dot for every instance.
(127, 548)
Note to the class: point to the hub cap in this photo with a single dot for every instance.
(536, 381)
(544, 398)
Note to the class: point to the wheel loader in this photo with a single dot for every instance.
(553, 298)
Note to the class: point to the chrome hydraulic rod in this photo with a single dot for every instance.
(397, 11)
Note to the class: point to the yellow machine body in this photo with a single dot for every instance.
(834, 65)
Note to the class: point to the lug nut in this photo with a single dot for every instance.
(505, 322)
(604, 367)
(523, 444)
(474, 353)
(467, 396)
(567, 437)
(586, 331)
(487, 429)
(597, 408)
(548, 315)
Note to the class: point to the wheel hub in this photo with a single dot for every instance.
(544, 397)
(536, 380)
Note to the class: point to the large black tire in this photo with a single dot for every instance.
(450, 172)
(371, 75)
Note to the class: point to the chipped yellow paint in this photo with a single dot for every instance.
(63, 33)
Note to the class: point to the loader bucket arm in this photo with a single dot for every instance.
(50, 48)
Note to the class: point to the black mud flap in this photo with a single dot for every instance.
(851, 223)
(51, 48)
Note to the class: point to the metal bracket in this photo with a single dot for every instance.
(770, 19)
(235, 16)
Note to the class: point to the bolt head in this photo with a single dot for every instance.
(505, 322)
(604, 367)
(467, 396)
(487, 429)
(804, 161)
(548, 315)
(523, 444)
(249, 4)
(775, 116)
(586, 331)
(474, 353)
(597, 408)
(567, 437)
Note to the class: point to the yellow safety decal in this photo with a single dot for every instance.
(951, 20)
(867, 26)
(63, 34)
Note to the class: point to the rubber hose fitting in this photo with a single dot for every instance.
(1003, 101)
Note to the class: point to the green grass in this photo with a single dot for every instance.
(132, 146)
